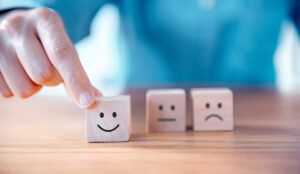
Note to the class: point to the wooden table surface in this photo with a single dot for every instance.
(46, 134)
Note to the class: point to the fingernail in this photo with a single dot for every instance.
(85, 99)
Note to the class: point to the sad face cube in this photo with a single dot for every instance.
(166, 110)
(109, 119)
(212, 109)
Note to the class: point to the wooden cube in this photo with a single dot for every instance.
(166, 110)
(212, 109)
(109, 119)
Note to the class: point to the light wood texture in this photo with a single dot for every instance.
(212, 109)
(109, 119)
(48, 135)
(166, 110)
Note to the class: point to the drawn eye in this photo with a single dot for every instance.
(172, 107)
(114, 114)
(160, 107)
(207, 105)
(101, 114)
(219, 105)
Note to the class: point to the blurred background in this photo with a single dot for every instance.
(100, 56)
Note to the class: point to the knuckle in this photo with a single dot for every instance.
(46, 14)
(61, 51)
(14, 20)
(12, 24)
(43, 76)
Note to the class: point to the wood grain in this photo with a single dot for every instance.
(47, 135)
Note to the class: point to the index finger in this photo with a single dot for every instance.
(64, 57)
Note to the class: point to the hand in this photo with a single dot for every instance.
(36, 51)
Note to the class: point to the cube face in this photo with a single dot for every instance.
(109, 119)
(212, 109)
(166, 110)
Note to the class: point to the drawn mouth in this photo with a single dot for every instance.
(166, 119)
(108, 130)
(213, 116)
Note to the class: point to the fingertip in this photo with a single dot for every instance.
(86, 99)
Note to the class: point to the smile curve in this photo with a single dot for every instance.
(110, 130)
(213, 115)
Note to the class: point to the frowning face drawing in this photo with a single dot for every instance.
(212, 109)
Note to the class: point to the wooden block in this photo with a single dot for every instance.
(212, 109)
(109, 119)
(166, 110)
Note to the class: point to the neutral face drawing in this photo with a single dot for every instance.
(162, 117)
(166, 110)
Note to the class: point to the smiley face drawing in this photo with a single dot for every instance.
(109, 119)
(166, 110)
(114, 115)
(212, 109)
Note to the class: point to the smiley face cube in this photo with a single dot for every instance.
(212, 109)
(166, 110)
(109, 119)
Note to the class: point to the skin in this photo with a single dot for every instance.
(36, 51)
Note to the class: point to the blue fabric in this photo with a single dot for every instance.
(191, 41)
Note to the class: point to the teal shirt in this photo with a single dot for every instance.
(181, 40)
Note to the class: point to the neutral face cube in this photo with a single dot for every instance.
(212, 109)
(166, 110)
(109, 119)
